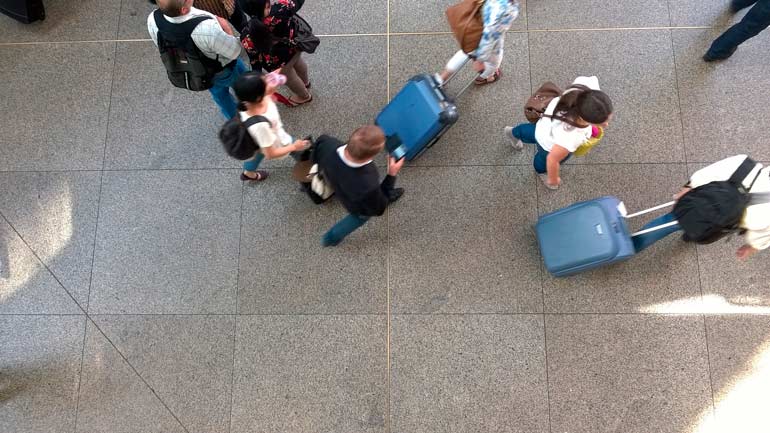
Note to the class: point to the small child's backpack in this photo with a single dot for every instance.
(236, 139)
(187, 67)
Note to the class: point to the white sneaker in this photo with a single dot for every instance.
(515, 144)
(544, 178)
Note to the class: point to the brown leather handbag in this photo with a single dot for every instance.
(538, 102)
(466, 23)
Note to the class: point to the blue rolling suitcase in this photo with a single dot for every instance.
(587, 235)
(417, 117)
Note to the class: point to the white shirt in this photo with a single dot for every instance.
(269, 134)
(756, 220)
(208, 36)
(550, 132)
(349, 163)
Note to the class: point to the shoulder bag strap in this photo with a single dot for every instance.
(562, 118)
(743, 170)
(253, 120)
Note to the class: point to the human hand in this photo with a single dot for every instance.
(745, 251)
(225, 26)
(301, 145)
(394, 165)
(681, 193)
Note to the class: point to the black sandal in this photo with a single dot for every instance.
(261, 175)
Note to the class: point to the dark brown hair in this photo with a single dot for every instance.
(260, 36)
(593, 106)
(366, 142)
(255, 8)
(171, 8)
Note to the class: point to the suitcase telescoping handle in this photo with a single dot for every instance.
(653, 209)
(465, 62)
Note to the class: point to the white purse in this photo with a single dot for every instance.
(318, 184)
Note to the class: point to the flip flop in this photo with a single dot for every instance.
(293, 103)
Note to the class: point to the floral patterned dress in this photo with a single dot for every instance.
(280, 26)
(498, 17)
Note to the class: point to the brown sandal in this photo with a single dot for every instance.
(496, 76)
(261, 175)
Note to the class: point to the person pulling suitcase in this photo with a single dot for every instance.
(349, 171)
(729, 196)
(479, 27)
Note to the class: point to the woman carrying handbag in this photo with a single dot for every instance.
(479, 26)
(275, 39)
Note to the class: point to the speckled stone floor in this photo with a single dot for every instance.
(143, 288)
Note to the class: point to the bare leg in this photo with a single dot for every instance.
(453, 65)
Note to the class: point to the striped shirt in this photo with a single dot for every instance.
(208, 36)
(223, 8)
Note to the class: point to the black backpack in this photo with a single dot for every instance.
(712, 211)
(187, 67)
(236, 139)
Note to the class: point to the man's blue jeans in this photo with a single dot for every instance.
(756, 20)
(643, 241)
(526, 133)
(344, 227)
(220, 92)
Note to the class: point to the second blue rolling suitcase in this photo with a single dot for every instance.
(588, 235)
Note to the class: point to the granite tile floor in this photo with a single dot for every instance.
(143, 288)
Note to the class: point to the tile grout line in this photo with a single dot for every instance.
(235, 318)
(353, 35)
(708, 360)
(540, 267)
(80, 373)
(687, 167)
(471, 313)
(136, 372)
(388, 427)
(522, 164)
(47, 268)
(89, 319)
(96, 224)
(96, 227)
(232, 375)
